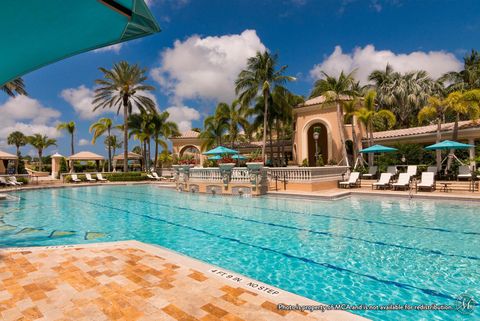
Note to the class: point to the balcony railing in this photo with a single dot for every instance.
(307, 174)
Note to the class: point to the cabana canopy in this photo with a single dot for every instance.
(378, 149)
(7, 156)
(86, 156)
(448, 144)
(220, 150)
(131, 155)
(37, 33)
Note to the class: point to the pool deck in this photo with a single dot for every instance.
(130, 280)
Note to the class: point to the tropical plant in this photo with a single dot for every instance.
(336, 90)
(41, 142)
(235, 117)
(69, 127)
(100, 127)
(466, 79)
(122, 87)
(18, 139)
(16, 86)
(260, 78)
(165, 157)
(112, 142)
(141, 128)
(162, 129)
(213, 130)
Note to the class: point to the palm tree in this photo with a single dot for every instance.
(336, 90)
(260, 78)
(99, 128)
(466, 79)
(122, 87)
(350, 109)
(435, 110)
(18, 139)
(16, 86)
(40, 143)
(162, 129)
(141, 128)
(235, 116)
(69, 127)
(213, 131)
(112, 142)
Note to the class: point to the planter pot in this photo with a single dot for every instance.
(226, 166)
(254, 165)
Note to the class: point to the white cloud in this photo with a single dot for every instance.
(206, 67)
(183, 116)
(367, 59)
(29, 116)
(113, 48)
(83, 142)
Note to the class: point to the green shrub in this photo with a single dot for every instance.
(23, 180)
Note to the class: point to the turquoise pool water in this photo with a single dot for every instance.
(356, 250)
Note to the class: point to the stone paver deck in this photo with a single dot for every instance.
(135, 281)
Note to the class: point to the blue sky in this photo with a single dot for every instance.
(203, 45)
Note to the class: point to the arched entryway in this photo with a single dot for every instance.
(320, 145)
(191, 151)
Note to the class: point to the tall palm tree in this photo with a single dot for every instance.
(69, 127)
(122, 87)
(162, 129)
(335, 90)
(466, 79)
(16, 86)
(350, 109)
(141, 127)
(435, 110)
(112, 142)
(213, 130)
(18, 139)
(260, 78)
(41, 142)
(235, 116)
(100, 127)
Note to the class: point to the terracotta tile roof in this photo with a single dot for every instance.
(189, 134)
(424, 130)
(319, 100)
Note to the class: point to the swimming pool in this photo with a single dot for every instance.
(359, 250)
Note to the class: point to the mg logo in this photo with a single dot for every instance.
(466, 304)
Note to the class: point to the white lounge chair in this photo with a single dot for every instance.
(384, 181)
(403, 181)
(155, 176)
(89, 178)
(13, 179)
(100, 178)
(150, 176)
(372, 172)
(464, 172)
(392, 170)
(3, 181)
(353, 181)
(75, 179)
(412, 170)
(427, 181)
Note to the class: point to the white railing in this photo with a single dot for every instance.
(205, 174)
(240, 175)
(307, 174)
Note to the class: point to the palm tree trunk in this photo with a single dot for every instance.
(438, 152)
(271, 145)
(342, 134)
(72, 144)
(371, 155)
(278, 159)
(109, 151)
(144, 155)
(40, 163)
(264, 139)
(454, 138)
(125, 135)
(18, 159)
(354, 140)
(156, 153)
(149, 154)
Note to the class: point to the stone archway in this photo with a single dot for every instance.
(323, 143)
(191, 150)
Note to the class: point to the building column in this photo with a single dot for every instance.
(471, 153)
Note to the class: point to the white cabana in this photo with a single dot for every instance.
(85, 156)
(4, 159)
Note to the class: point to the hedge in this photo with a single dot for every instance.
(114, 177)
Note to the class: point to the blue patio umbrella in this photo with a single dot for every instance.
(239, 157)
(378, 149)
(220, 150)
(37, 33)
(216, 157)
(448, 144)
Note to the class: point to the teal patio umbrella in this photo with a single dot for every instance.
(220, 150)
(448, 144)
(239, 157)
(36, 33)
(378, 149)
(216, 157)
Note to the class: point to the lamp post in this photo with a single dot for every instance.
(316, 135)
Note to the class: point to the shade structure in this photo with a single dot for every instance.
(216, 157)
(37, 33)
(448, 144)
(7, 156)
(131, 155)
(239, 157)
(220, 150)
(378, 149)
(86, 156)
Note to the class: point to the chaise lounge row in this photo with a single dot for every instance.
(10, 181)
(88, 178)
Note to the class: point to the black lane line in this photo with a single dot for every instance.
(404, 247)
(438, 229)
(290, 256)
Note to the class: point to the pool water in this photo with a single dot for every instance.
(358, 250)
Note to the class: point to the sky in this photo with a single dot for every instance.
(204, 44)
